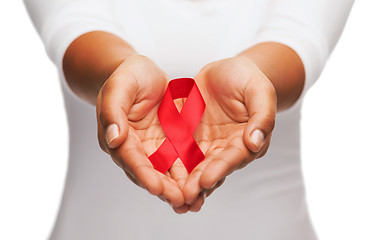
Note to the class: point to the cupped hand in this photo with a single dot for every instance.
(128, 127)
(236, 126)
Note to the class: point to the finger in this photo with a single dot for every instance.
(210, 191)
(196, 206)
(179, 173)
(171, 191)
(261, 103)
(192, 187)
(136, 163)
(199, 202)
(265, 148)
(116, 98)
(223, 164)
(141, 172)
(131, 158)
(182, 209)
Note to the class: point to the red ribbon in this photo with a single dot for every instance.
(179, 127)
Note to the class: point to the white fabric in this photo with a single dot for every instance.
(265, 200)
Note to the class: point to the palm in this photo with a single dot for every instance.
(237, 97)
(147, 131)
(218, 132)
(131, 98)
(222, 126)
(146, 135)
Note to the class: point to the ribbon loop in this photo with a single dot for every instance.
(179, 127)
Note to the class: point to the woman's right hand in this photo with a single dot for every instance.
(128, 126)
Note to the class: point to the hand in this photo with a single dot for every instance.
(236, 127)
(128, 127)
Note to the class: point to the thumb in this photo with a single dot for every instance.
(113, 105)
(261, 103)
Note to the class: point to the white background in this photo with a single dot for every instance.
(33, 144)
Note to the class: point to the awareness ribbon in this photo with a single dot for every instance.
(179, 127)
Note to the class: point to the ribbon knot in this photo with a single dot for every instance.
(179, 127)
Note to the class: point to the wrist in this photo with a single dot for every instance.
(283, 67)
(91, 59)
(257, 71)
(241, 67)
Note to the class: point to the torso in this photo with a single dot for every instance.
(265, 200)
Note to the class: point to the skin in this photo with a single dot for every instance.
(242, 94)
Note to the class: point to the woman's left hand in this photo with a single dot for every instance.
(236, 127)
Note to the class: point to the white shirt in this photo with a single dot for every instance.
(265, 200)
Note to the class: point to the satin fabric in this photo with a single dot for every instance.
(179, 127)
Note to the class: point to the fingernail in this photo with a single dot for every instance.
(204, 194)
(112, 133)
(257, 137)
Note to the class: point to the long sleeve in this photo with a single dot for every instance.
(98, 203)
(59, 22)
(311, 28)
